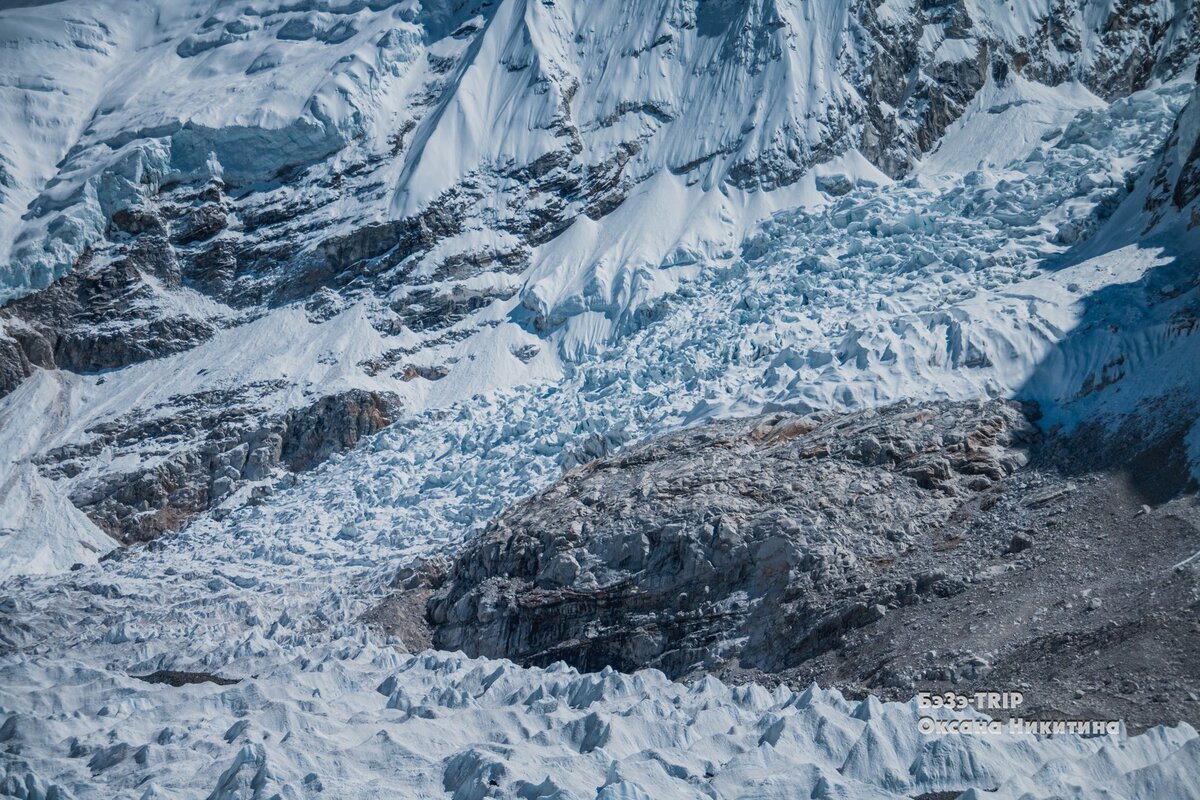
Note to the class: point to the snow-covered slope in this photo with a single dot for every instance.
(557, 108)
(40, 530)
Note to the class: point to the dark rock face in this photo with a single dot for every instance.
(178, 678)
(332, 425)
(1176, 183)
(15, 366)
(911, 100)
(224, 444)
(886, 553)
(202, 223)
(135, 220)
(1135, 42)
(98, 318)
(1084, 605)
(758, 542)
(109, 311)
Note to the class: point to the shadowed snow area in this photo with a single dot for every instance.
(518, 237)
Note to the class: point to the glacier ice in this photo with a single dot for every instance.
(961, 280)
(352, 719)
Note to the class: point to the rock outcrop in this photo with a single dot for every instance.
(757, 542)
(907, 549)
(1176, 183)
(226, 443)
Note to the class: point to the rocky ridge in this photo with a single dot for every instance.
(700, 548)
(1176, 183)
(235, 444)
(919, 547)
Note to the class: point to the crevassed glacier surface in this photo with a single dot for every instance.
(962, 279)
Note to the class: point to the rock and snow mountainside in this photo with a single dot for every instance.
(319, 210)
(301, 293)
(919, 547)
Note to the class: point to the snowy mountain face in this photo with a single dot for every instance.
(327, 216)
(299, 297)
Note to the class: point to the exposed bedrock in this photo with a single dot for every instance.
(1176, 183)
(917, 547)
(760, 541)
(99, 317)
(224, 445)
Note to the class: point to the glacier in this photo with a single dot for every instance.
(353, 720)
(712, 210)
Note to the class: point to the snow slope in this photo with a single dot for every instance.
(106, 106)
(40, 530)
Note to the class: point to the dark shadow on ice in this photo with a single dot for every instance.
(1120, 391)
